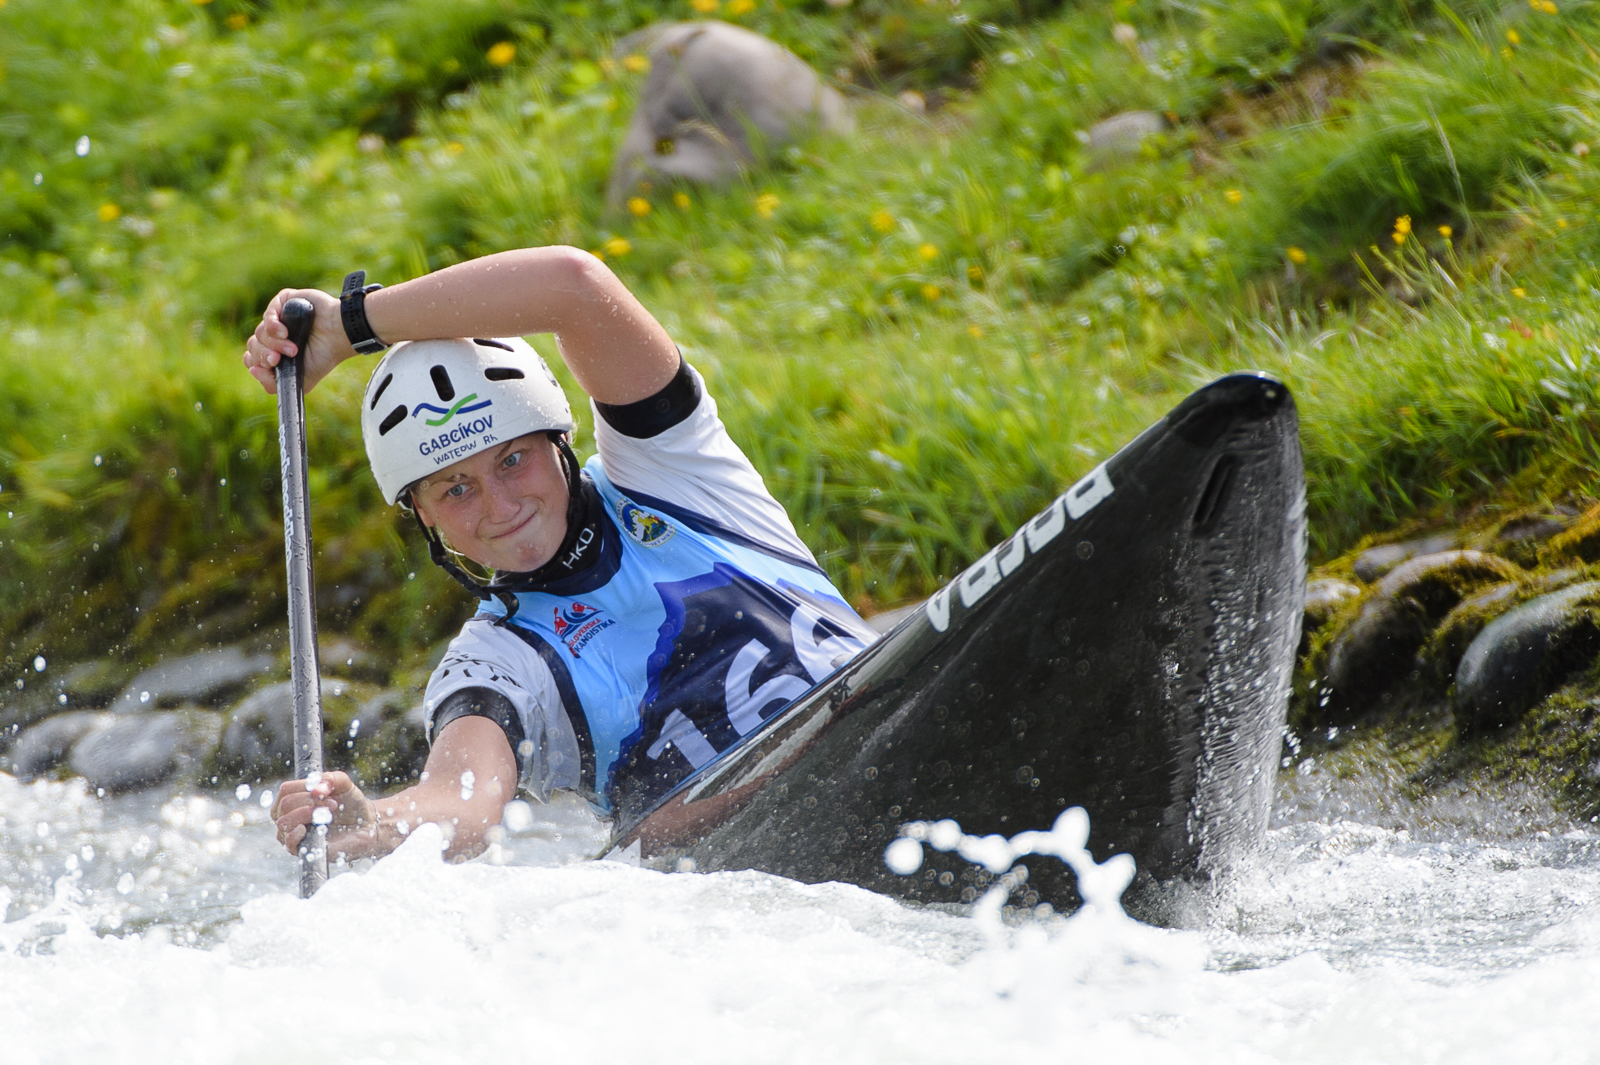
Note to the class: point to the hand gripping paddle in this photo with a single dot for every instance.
(304, 667)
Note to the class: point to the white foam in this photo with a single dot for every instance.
(1359, 945)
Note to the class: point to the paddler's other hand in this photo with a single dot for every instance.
(353, 818)
(327, 348)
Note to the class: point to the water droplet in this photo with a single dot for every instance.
(98, 460)
(82, 147)
(86, 852)
(38, 664)
(197, 406)
(242, 792)
(172, 471)
(322, 816)
(38, 178)
(42, 829)
(355, 728)
(266, 799)
(144, 697)
(124, 883)
(411, 576)
(62, 698)
(224, 482)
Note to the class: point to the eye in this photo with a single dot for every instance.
(513, 459)
(456, 491)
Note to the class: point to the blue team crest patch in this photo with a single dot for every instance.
(649, 529)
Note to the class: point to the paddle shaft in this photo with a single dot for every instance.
(304, 666)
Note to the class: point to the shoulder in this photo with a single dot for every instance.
(692, 467)
(484, 655)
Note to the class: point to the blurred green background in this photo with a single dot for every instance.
(919, 334)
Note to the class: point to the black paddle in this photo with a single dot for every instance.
(304, 666)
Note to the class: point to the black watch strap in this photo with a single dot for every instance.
(353, 312)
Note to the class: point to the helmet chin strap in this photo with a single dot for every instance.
(499, 586)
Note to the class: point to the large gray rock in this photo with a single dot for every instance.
(1374, 562)
(1525, 654)
(258, 740)
(207, 678)
(1378, 649)
(127, 752)
(718, 98)
(47, 745)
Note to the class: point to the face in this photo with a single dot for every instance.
(504, 508)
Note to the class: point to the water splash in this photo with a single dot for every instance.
(1100, 884)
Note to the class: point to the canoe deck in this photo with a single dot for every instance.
(1128, 650)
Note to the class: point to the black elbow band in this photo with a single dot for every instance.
(484, 702)
(655, 414)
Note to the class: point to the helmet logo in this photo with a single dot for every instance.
(460, 407)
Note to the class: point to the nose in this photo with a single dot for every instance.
(502, 502)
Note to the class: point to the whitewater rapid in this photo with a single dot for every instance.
(164, 929)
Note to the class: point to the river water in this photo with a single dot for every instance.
(162, 927)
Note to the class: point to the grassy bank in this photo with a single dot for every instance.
(919, 334)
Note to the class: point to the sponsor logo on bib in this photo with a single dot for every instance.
(579, 623)
(649, 529)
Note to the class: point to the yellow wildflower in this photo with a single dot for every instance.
(766, 204)
(237, 21)
(741, 7)
(1562, 222)
(975, 332)
(502, 54)
(617, 246)
(705, 7)
(1402, 224)
(109, 212)
(931, 292)
(681, 200)
(1234, 196)
(1296, 255)
(638, 206)
(1521, 294)
(1446, 232)
(882, 221)
(636, 63)
(1548, 7)
(1514, 37)
(928, 251)
(974, 273)
(455, 147)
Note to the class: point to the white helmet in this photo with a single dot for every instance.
(431, 403)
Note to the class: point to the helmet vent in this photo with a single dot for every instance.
(379, 393)
(441, 383)
(504, 373)
(501, 344)
(395, 417)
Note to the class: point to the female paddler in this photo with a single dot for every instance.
(639, 615)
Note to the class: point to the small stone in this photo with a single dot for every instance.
(1324, 598)
(258, 740)
(1374, 562)
(1525, 654)
(1121, 136)
(208, 678)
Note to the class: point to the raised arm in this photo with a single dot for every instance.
(614, 347)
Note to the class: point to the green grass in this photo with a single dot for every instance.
(919, 334)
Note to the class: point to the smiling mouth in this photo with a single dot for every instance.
(523, 524)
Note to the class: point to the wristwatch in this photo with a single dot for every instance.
(353, 312)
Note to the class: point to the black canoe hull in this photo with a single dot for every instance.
(1129, 650)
